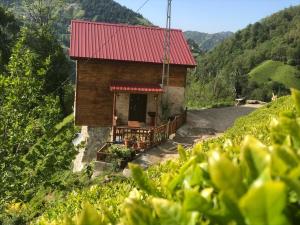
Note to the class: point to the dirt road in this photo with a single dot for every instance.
(210, 122)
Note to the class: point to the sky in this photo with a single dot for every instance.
(209, 16)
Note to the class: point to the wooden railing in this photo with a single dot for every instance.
(159, 135)
(140, 133)
(151, 136)
(176, 123)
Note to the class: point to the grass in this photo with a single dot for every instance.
(57, 128)
(64, 122)
(276, 71)
(209, 104)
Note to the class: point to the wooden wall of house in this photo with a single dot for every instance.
(94, 101)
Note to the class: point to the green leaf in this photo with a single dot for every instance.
(296, 98)
(232, 208)
(179, 178)
(264, 204)
(169, 213)
(225, 175)
(90, 216)
(182, 153)
(283, 160)
(194, 201)
(254, 157)
(142, 180)
(68, 221)
(193, 176)
(137, 211)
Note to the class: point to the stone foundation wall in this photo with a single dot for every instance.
(94, 137)
(176, 97)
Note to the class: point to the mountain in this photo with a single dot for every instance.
(276, 37)
(92, 10)
(207, 41)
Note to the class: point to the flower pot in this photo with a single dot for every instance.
(122, 163)
(141, 145)
(101, 156)
(133, 154)
(135, 146)
(127, 143)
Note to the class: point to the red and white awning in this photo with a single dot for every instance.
(127, 86)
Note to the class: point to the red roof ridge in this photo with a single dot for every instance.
(123, 25)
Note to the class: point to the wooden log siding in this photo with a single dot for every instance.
(94, 101)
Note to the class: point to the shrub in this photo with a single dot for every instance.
(247, 183)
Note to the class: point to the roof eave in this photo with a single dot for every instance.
(129, 61)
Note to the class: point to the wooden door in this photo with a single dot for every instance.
(137, 107)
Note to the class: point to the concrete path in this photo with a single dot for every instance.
(201, 125)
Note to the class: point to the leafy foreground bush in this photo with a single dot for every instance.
(224, 183)
(247, 184)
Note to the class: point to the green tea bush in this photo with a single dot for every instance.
(249, 183)
(169, 182)
(245, 183)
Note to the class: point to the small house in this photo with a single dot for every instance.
(119, 76)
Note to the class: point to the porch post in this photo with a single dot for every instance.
(156, 106)
(114, 122)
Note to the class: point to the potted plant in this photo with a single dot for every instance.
(120, 154)
(127, 142)
(103, 152)
(141, 143)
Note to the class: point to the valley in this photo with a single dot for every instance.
(215, 169)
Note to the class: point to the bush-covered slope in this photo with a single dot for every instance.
(276, 71)
(109, 195)
(248, 183)
(226, 67)
(276, 37)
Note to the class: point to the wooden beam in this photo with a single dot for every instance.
(156, 115)
(114, 121)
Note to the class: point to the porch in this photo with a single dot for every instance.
(137, 116)
(144, 138)
(135, 110)
(148, 137)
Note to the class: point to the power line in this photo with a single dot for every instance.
(167, 45)
(142, 6)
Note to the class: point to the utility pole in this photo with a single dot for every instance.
(167, 45)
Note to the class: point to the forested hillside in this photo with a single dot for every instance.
(227, 180)
(222, 74)
(36, 148)
(207, 41)
(36, 97)
(93, 10)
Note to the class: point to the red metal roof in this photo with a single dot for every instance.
(106, 41)
(127, 86)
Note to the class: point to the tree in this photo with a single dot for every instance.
(29, 153)
(42, 12)
(8, 32)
